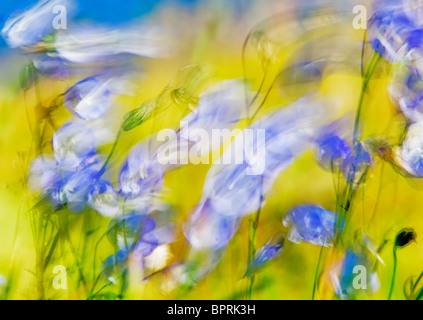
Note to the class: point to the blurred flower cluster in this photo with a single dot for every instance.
(121, 117)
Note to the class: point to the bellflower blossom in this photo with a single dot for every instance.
(90, 98)
(409, 156)
(311, 223)
(51, 66)
(209, 229)
(395, 31)
(31, 26)
(263, 255)
(235, 188)
(406, 90)
(129, 228)
(356, 164)
(142, 172)
(92, 44)
(232, 189)
(219, 108)
(344, 278)
(72, 177)
(135, 237)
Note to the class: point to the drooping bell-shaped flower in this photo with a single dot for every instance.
(140, 174)
(406, 90)
(207, 228)
(50, 66)
(246, 171)
(356, 164)
(85, 44)
(219, 109)
(31, 26)
(332, 151)
(43, 174)
(76, 187)
(395, 31)
(130, 228)
(409, 156)
(263, 255)
(92, 97)
(355, 277)
(311, 223)
(236, 185)
(103, 198)
(87, 99)
(73, 145)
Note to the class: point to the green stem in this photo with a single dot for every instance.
(369, 73)
(393, 273)
(317, 273)
(252, 235)
(112, 150)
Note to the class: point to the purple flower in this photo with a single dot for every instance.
(207, 228)
(332, 151)
(395, 31)
(86, 44)
(73, 145)
(43, 173)
(262, 256)
(234, 187)
(406, 90)
(356, 164)
(134, 229)
(140, 174)
(92, 97)
(51, 66)
(311, 223)
(351, 271)
(409, 156)
(103, 198)
(134, 235)
(31, 26)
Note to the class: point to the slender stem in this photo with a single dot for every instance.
(112, 150)
(252, 235)
(418, 280)
(393, 273)
(317, 272)
(369, 73)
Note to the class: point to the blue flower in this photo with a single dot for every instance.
(348, 284)
(140, 174)
(73, 145)
(235, 188)
(31, 26)
(332, 151)
(76, 187)
(207, 228)
(43, 174)
(51, 66)
(113, 264)
(356, 164)
(262, 256)
(87, 99)
(134, 229)
(311, 223)
(92, 97)
(219, 107)
(103, 198)
(409, 156)
(406, 90)
(86, 44)
(395, 31)
(134, 235)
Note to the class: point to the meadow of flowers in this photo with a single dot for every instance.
(211, 150)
